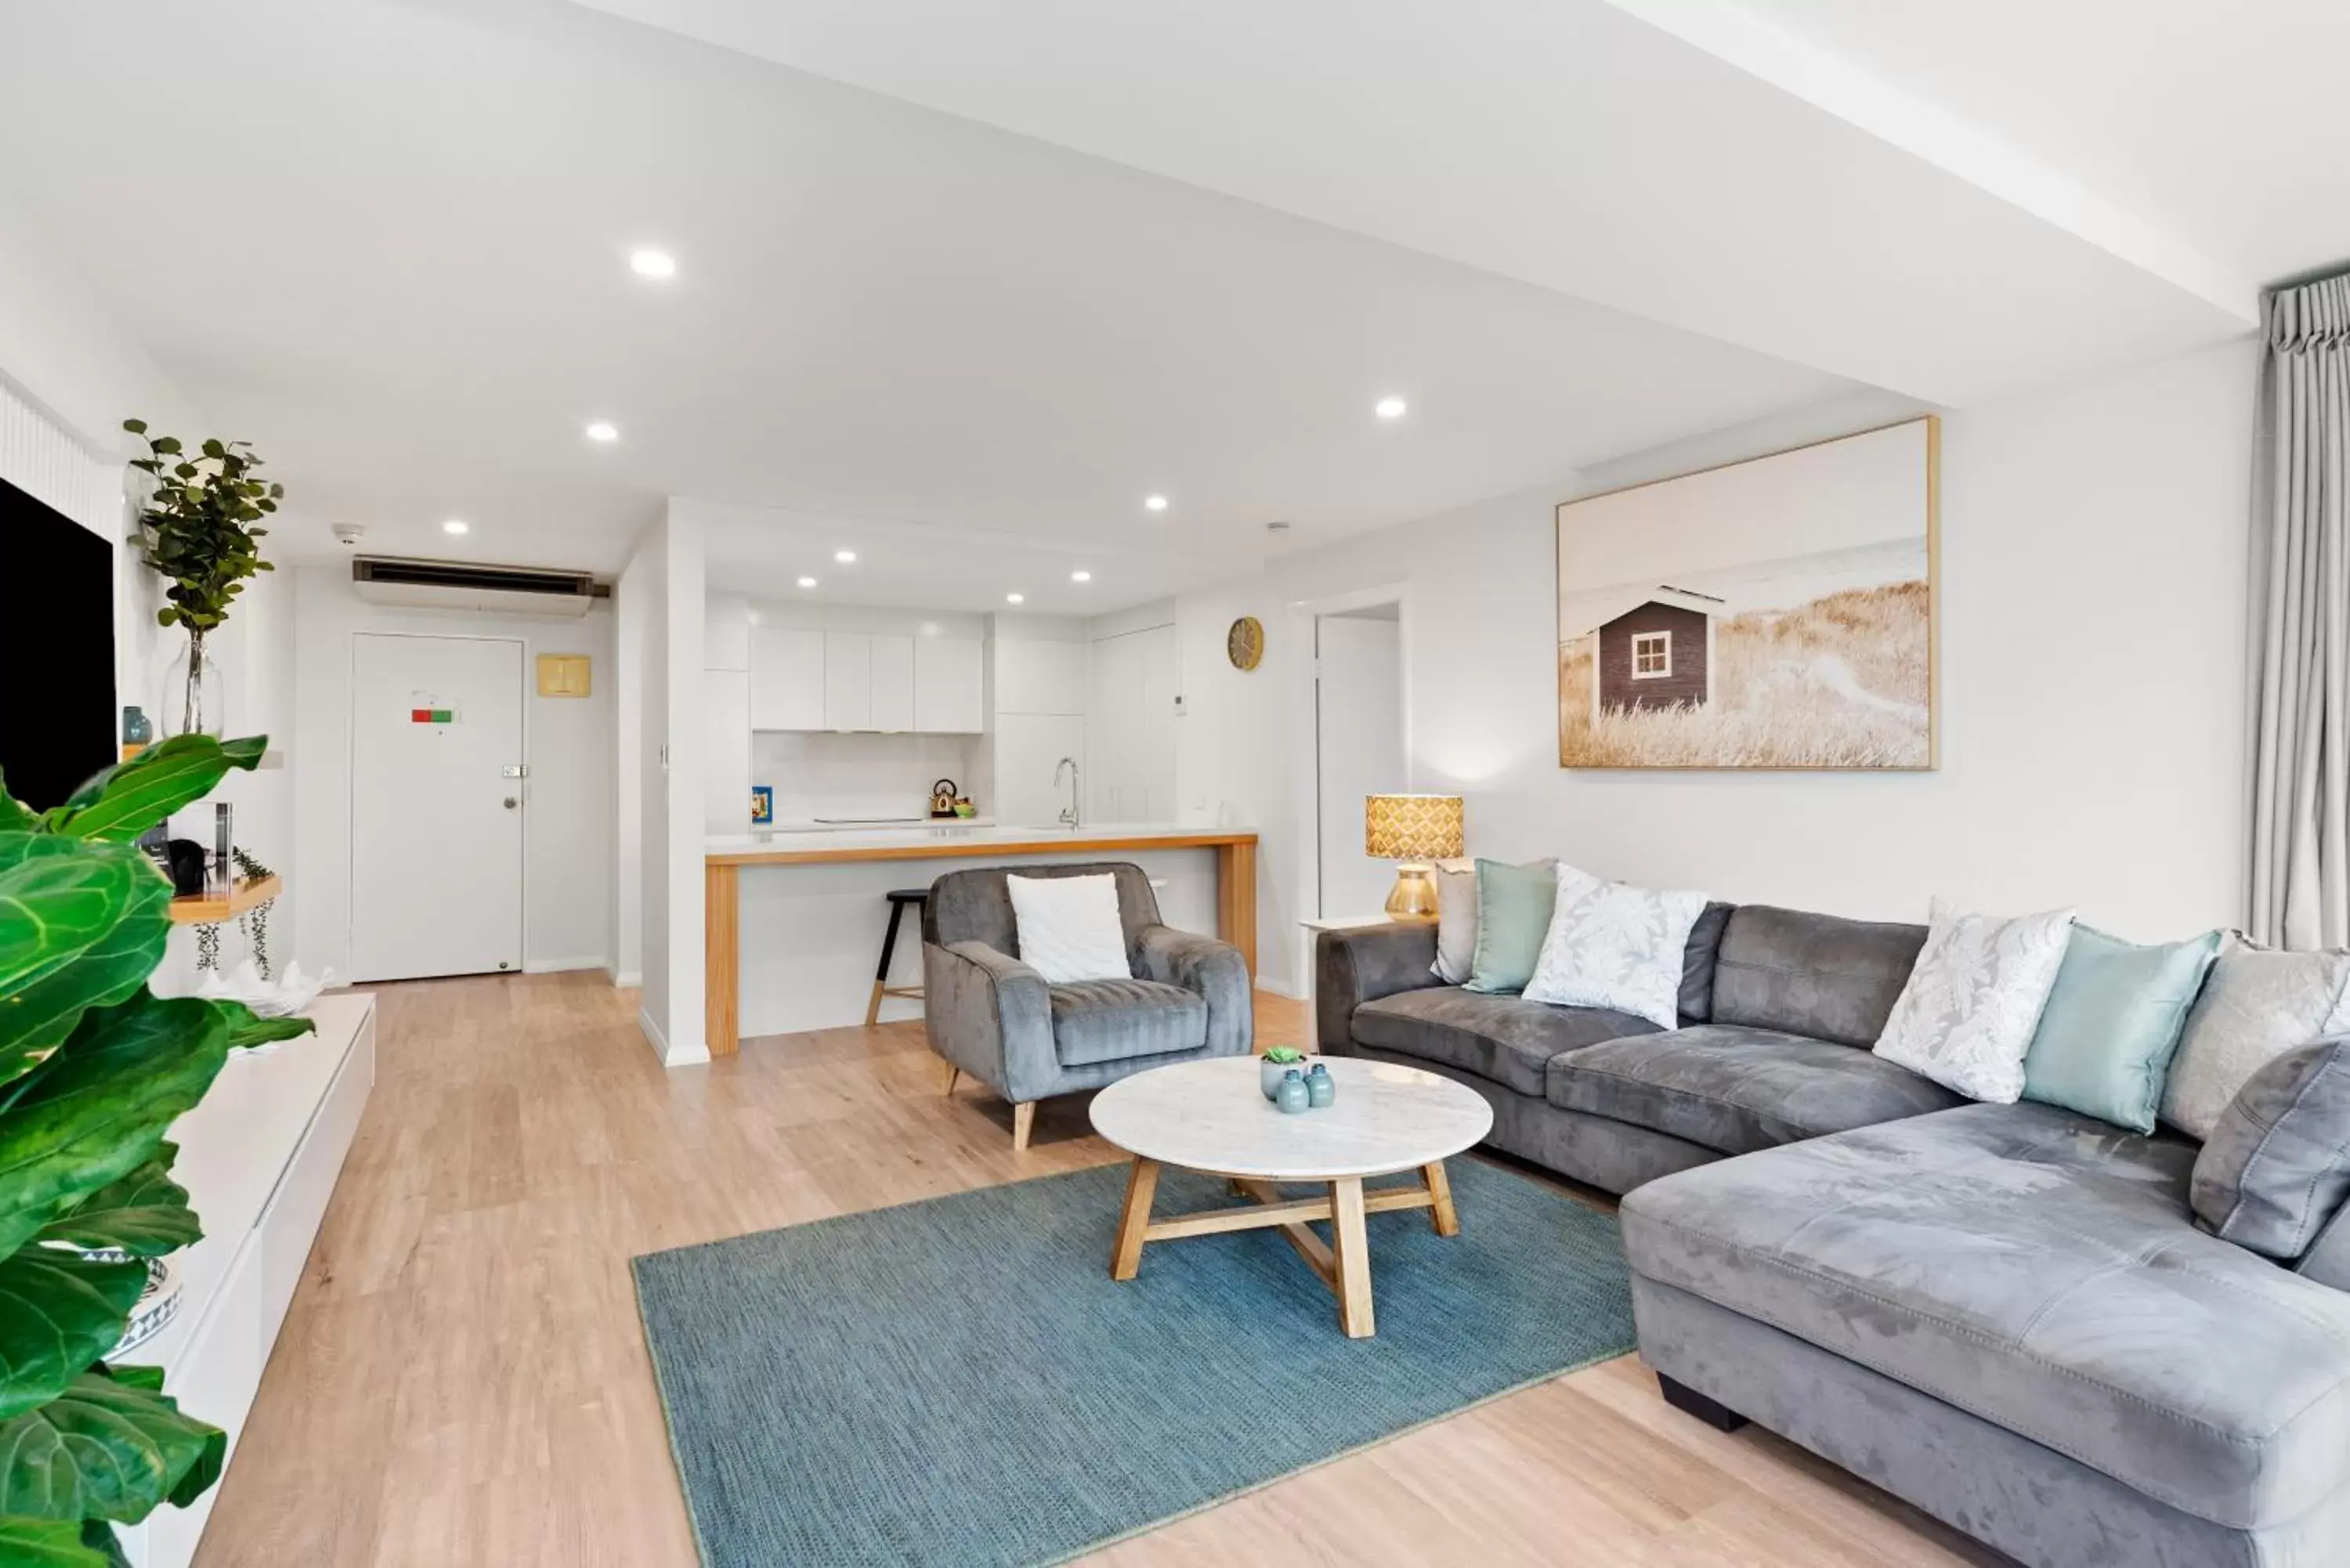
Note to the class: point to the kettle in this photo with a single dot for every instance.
(942, 798)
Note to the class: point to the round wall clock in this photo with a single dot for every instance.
(1244, 644)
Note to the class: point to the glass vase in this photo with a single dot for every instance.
(192, 701)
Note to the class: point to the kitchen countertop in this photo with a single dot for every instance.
(957, 840)
(810, 824)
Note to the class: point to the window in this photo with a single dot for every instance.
(1652, 655)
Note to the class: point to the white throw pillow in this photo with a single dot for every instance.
(1068, 927)
(1615, 946)
(1456, 917)
(1967, 1015)
(2257, 1004)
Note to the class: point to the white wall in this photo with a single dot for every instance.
(630, 657)
(2094, 559)
(69, 376)
(568, 903)
(1234, 764)
(663, 585)
(814, 773)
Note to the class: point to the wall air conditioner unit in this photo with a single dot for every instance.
(464, 586)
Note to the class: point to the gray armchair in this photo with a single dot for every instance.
(993, 1017)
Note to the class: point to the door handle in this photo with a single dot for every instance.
(511, 803)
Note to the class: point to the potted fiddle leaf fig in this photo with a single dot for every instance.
(200, 529)
(94, 1068)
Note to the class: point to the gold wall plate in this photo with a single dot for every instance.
(563, 675)
(1244, 644)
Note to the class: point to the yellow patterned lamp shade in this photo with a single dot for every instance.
(1414, 829)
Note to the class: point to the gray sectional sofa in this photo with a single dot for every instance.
(2005, 1314)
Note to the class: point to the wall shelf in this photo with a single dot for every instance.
(211, 909)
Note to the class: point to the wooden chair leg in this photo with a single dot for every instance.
(948, 1076)
(881, 971)
(1024, 1118)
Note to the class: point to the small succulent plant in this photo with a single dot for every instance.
(1284, 1055)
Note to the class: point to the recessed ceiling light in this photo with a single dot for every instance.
(455, 525)
(1389, 408)
(807, 582)
(1154, 503)
(653, 264)
(602, 432)
(1081, 576)
(845, 557)
(1015, 598)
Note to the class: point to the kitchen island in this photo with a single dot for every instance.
(794, 921)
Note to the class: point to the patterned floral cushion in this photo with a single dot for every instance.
(1615, 946)
(1967, 1017)
(2257, 1005)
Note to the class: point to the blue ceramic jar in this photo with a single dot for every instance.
(1293, 1096)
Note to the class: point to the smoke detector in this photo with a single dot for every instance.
(349, 534)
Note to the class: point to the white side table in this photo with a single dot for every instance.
(1313, 968)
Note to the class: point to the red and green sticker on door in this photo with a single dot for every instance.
(427, 708)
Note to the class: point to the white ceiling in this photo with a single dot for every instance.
(1062, 254)
(1677, 159)
(2225, 124)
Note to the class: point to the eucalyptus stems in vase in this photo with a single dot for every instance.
(200, 530)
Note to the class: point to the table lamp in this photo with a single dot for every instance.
(1414, 829)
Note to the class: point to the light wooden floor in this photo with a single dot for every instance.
(463, 1380)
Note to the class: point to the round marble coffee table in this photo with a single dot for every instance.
(1212, 1117)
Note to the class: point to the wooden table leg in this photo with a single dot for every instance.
(721, 958)
(1439, 1200)
(1142, 1187)
(1354, 1258)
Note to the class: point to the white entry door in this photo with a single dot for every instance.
(1358, 710)
(436, 807)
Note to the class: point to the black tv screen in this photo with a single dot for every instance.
(56, 652)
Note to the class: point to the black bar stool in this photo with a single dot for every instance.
(899, 899)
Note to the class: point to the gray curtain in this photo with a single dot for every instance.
(2301, 622)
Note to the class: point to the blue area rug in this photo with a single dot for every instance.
(960, 1381)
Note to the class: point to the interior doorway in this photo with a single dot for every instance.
(437, 803)
(1358, 750)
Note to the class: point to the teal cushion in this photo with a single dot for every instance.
(1513, 904)
(2112, 1023)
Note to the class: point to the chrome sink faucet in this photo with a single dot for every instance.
(1068, 811)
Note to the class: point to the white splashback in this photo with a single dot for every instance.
(859, 775)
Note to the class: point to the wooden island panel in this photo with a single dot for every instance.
(722, 897)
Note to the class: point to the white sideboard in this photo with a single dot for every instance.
(259, 1159)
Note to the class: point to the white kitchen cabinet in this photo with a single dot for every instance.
(726, 739)
(1130, 727)
(1039, 677)
(947, 686)
(786, 678)
(848, 680)
(893, 683)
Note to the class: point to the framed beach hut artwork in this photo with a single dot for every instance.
(1776, 613)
